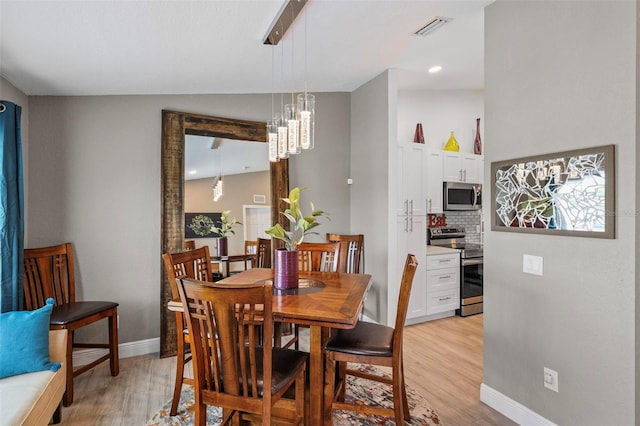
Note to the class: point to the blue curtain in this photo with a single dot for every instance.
(11, 208)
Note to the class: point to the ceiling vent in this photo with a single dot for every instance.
(432, 25)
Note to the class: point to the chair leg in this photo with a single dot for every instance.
(342, 377)
(177, 389)
(329, 388)
(57, 415)
(67, 400)
(114, 361)
(398, 392)
(405, 401)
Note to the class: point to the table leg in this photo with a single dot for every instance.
(317, 338)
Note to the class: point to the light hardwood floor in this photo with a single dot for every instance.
(443, 362)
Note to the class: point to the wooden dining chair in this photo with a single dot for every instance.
(49, 272)
(351, 256)
(250, 249)
(375, 344)
(189, 244)
(263, 257)
(231, 369)
(193, 264)
(321, 257)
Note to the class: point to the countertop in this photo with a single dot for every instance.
(434, 250)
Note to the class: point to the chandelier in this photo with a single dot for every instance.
(292, 128)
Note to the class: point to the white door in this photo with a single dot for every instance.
(256, 220)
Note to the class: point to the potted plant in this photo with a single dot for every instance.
(222, 231)
(286, 259)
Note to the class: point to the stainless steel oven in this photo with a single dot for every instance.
(471, 267)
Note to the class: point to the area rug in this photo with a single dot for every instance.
(358, 389)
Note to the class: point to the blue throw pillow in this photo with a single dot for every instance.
(24, 341)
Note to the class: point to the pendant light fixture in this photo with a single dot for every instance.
(291, 129)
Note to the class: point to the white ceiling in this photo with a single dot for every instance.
(181, 47)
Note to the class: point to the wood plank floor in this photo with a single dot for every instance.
(443, 362)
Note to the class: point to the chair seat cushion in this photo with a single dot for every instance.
(285, 366)
(69, 312)
(366, 338)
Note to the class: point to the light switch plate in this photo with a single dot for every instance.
(532, 264)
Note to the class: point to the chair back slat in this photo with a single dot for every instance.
(263, 257)
(318, 256)
(410, 266)
(225, 319)
(351, 257)
(48, 272)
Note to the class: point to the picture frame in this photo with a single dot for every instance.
(568, 193)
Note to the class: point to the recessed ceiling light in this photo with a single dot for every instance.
(435, 69)
(193, 172)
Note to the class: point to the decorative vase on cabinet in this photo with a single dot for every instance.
(477, 143)
(452, 144)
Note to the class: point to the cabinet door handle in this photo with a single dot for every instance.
(442, 299)
(430, 209)
(411, 222)
(406, 207)
(465, 175)
(444, 260)
(445, 277)
(406, 224)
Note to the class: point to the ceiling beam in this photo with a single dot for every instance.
(283, 21)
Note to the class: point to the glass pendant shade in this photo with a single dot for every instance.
(306, 117)
(293, 141)
(272, 139)
(281, 128)
(217, 189)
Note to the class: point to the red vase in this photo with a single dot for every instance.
(285, 274)
(477, 143)
(418, 136)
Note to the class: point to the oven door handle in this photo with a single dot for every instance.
(471, 262)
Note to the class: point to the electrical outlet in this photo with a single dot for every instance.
(550, 379)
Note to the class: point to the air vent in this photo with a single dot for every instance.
(432, 25)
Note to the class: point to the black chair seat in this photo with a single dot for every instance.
(285, 366)
(69, 312)
(366, 338)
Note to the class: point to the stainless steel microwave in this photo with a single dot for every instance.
(462, 196)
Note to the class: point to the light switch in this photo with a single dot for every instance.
(532, 264)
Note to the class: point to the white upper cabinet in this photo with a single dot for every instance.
(411, 168)
(458, 167)
(434, 182)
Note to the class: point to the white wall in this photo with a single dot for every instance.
(440, 112)
(561, 76)
(95, 181)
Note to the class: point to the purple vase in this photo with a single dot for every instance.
(285, 274)
(222, 247)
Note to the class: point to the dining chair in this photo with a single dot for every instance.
(193, 264)
(231, 369)
(374, 344)
(189, 244)
(351, 256)
(50, 272)
(263, 256)
(321, 257)
(250, 248)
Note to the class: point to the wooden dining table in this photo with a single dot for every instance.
(325, 300)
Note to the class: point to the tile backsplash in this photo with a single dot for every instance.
(471, 220)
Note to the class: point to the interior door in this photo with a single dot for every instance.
(256, 220)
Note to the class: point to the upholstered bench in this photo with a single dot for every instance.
(35, 398)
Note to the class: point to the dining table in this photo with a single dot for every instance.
(224, 262)
(323, 301)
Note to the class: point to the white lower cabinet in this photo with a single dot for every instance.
(443, 283)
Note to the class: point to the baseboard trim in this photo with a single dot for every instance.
(510, 408)
(125, 350)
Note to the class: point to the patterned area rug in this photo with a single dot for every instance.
(358, 389)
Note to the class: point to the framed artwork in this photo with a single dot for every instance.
(562, 193)
(198, 225)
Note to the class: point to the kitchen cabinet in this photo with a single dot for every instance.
(434, 177)
(458, 167)
(411, 234)
(410, 195)
(442, 283)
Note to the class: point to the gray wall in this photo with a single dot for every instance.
(561, 76)
(370, 133)
(95, 181)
